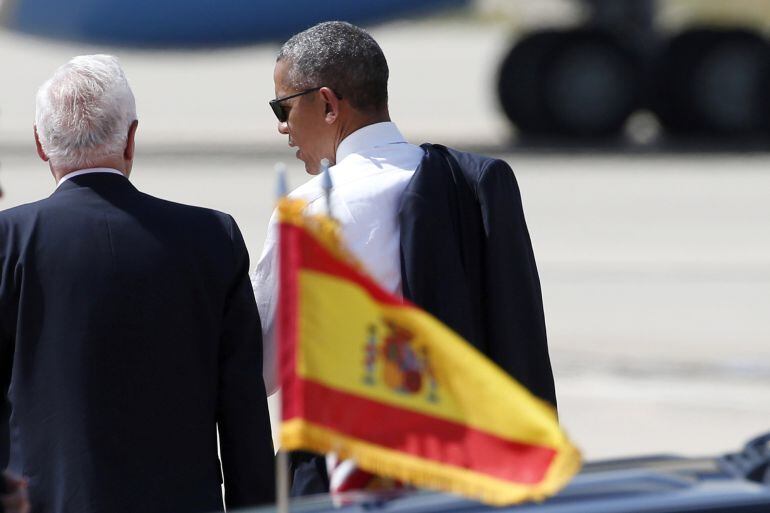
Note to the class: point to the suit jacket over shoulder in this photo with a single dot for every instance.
(466, 257)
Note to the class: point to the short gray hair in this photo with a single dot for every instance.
(84, 110)
(340, 56)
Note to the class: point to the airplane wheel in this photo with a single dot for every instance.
(575, 83)
(592, 85)
(520, 82)
(714, 82)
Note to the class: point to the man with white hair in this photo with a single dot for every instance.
(128, 329)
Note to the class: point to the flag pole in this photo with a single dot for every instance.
(282, 481)
(327, 186)
(282, 458)
(281, 189)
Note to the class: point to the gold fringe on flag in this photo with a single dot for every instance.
(324, 229)
(300, 434)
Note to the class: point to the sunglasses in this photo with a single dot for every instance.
(281, 112)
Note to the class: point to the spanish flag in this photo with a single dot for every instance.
(374, 378)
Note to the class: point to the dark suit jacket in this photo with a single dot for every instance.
(466, 257)
(128, 332)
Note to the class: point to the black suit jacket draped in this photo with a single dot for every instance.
(128, 332)
(466, 257)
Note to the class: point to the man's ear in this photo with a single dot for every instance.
(40, 151)
(128, 152)
(332, 105)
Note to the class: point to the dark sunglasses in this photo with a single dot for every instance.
(281, 112)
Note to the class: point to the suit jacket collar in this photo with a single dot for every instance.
(86, 171)
(97, 181)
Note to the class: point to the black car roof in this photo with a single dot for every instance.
(652, 484)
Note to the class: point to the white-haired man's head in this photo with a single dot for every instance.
(85, 114)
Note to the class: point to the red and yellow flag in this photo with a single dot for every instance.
(374, 378)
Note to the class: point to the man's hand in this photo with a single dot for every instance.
(14, 497)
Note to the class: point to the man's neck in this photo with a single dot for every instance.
(359, 121)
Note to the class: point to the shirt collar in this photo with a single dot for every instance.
(370, 136)
(87, 171)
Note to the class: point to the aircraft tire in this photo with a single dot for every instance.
(713, 82)
(520, 82)
(592, 85)
(577, 83)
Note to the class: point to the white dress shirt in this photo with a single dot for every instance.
(374, 165)
(86, 172)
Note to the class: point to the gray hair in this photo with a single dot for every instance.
(84, 111)
(340, 56)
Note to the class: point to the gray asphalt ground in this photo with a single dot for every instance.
(655, 266)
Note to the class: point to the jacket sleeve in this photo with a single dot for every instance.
(514, 308)
(6, 358)
(5, 407)
(244, 423)
(7, 343)
(432, 268)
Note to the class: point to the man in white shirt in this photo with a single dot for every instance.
(331, 101)
(443, 227)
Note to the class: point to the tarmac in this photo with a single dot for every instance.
(655, 266)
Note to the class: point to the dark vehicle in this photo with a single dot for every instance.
(733, 483)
